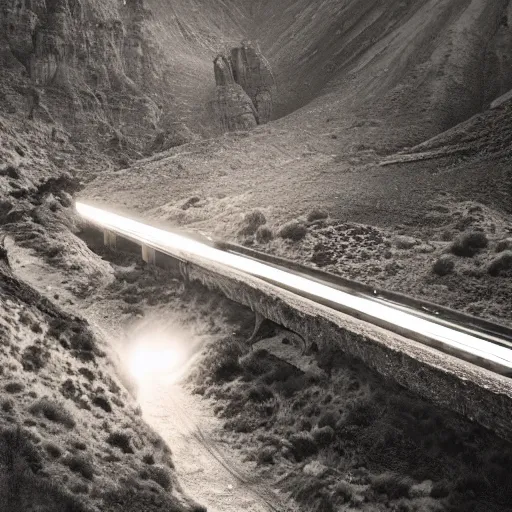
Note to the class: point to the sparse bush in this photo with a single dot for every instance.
(500, 264)
(266, 455)
(441, 489)
(120, 440)
(7, 405)
(303, 445)
(252, 221)
(260, 393)
(345, 491)
(394, 485)
(328, 418)
(323, 436)
(148, 459)
(53, 411)
(53, 450)
(405, 242)
(317, 214)
(468, 244)
(264, 235)
(224, 365)
(34, 358)
(14, 387)
(80, 464)
(504, 245)
(102, 402)
(444, 265)
(256, 363)
(158, 474)
(294, 231)
(17, 451)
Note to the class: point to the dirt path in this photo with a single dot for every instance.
(210, 473)
(207, 471)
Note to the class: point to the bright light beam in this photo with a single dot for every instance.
(187, 249)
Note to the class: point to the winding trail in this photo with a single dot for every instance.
(207, 471)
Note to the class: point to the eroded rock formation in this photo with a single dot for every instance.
(252, 72)
(243, 97)
(88, 62)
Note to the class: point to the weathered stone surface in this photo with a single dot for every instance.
(233, 109)
(244, 89)
(87, 61)
(253, 73)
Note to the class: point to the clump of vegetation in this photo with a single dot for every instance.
(329, 419)
(14, 387)
(394, 485)
(504, 245)
(34, 358)
(80, 464)
(260, 393)
(444, 265)
(252, 221)
(303, 445)
(53, 411)
(323, 436)
(469, 244)
(264, 235)
(345, 491)
(317, 214)
(121, 440)
(224, 365)
(102, 402)
(294, 231)
(148, 458)
(405, 242)
(53, 450)
(17, 451)
(266, 455)
(158, 474)
(501, 264)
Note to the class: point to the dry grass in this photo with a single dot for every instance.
(381, 440)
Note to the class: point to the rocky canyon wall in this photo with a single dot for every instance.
(83, 64)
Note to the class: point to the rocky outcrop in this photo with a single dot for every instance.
(87, 61)
(243, 97)
(252, 72)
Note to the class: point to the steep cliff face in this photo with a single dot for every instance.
(81, 62)
(393, 60)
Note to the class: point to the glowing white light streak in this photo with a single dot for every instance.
(185, 248)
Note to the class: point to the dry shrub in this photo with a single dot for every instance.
(394, 485)
(53, 411)
(317, 214)
(158, 474)
(504, 245)
(329, 418)
(121, 440)
(14, 387)
(252, 221)
(264, 235)
(294, 231)
(266, 455)
(323, 436)
(80, 464)
(303, 445)
(468, 244)
(260, 393)
(444, 265)
(311, 493)
(500, 264)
